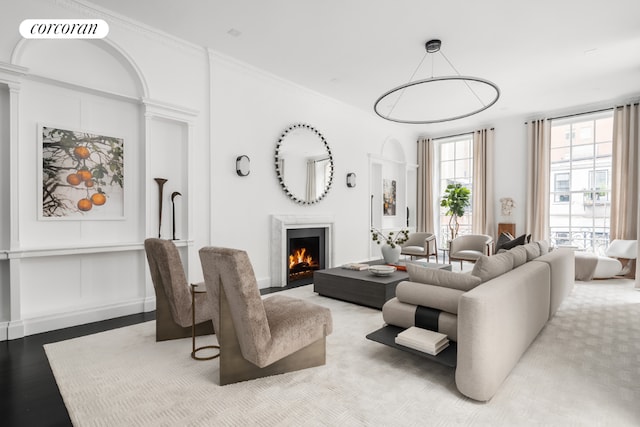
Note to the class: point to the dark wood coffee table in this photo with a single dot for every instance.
(363, 287)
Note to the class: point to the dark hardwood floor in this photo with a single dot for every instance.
(29, 396)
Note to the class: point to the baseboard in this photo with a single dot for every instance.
(15, 329)
(149, 304)
(3, 330)
(51, 322)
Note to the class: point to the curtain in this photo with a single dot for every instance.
(425, 217)
(482, 193)
(537, 208)
(625, 180)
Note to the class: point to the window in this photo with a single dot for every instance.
(581, 159)
(455, 167)
(561, 187)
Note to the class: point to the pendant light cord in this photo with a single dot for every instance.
(465, 81)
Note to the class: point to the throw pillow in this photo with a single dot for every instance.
(504, 238)
(488, 267)
(515, 242)
(533, 250)
(519, 256)
(544, 246)
(444, 278)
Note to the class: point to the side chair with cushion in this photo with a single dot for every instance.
(470, 247)
(421, 245)
(174, 317)
(259, 337)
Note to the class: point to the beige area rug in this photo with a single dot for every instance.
(583, 370)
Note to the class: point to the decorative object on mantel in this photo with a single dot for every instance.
(242, 165)
(303, 153)
(452, 91)
(392, 241)
(161, 182)
(351, 180)
(173, 210)
(456, 200)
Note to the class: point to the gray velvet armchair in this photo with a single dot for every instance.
(259, 337)
(420, 245)
(174, 317)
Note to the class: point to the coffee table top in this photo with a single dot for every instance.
(396, 276)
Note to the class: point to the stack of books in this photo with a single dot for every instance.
(356, 266)
(423, 340)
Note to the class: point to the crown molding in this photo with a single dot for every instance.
(89, 9)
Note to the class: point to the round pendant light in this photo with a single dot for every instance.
(436, 99)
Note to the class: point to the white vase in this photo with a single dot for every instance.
(390, 255)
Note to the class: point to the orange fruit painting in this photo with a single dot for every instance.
(82, 174)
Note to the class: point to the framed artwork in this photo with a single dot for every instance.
(82, 175)
(389, 197)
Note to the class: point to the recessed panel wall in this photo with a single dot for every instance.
(57, 284)
(56, 107)
(167, 159)
(4, 201)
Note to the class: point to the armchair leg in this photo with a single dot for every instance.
(235, 368)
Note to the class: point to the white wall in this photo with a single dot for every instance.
(510, 169)
(250, 109)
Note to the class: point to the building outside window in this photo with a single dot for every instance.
(581, 160)
(455, 157)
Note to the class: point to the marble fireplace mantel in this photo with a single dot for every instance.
(279, 226)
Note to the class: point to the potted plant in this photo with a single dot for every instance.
(456, 200)
(392, 241)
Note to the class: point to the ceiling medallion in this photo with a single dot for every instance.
(479, 93)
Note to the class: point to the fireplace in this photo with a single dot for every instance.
(281, 226)
(306, 254)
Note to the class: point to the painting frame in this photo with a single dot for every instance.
(389, 197)
(81, 174)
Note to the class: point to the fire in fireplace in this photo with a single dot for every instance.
(306, 254)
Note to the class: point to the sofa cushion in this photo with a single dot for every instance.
(519, 256)
(440, 297)
(488, 267)
(447, 279)
(515, 242)
(533, 250)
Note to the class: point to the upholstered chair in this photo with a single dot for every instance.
(469, 247)
(420, 245)
(259, 337)
(174, 317)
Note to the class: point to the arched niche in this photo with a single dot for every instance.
(96, 64)
(392, 150)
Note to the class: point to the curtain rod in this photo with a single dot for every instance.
(453, 136)
(586, 112)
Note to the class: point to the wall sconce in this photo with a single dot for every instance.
(351, 180)
(242, 165)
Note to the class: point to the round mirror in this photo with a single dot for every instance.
(304, 164)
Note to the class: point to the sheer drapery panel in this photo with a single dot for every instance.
(537, 208)
(482, 195)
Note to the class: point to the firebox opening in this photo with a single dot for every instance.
(306, 254)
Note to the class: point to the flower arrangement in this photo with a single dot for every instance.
(392, 239)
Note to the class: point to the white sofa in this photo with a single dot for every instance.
(493, 314)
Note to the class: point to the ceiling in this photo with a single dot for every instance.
(547, 56)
